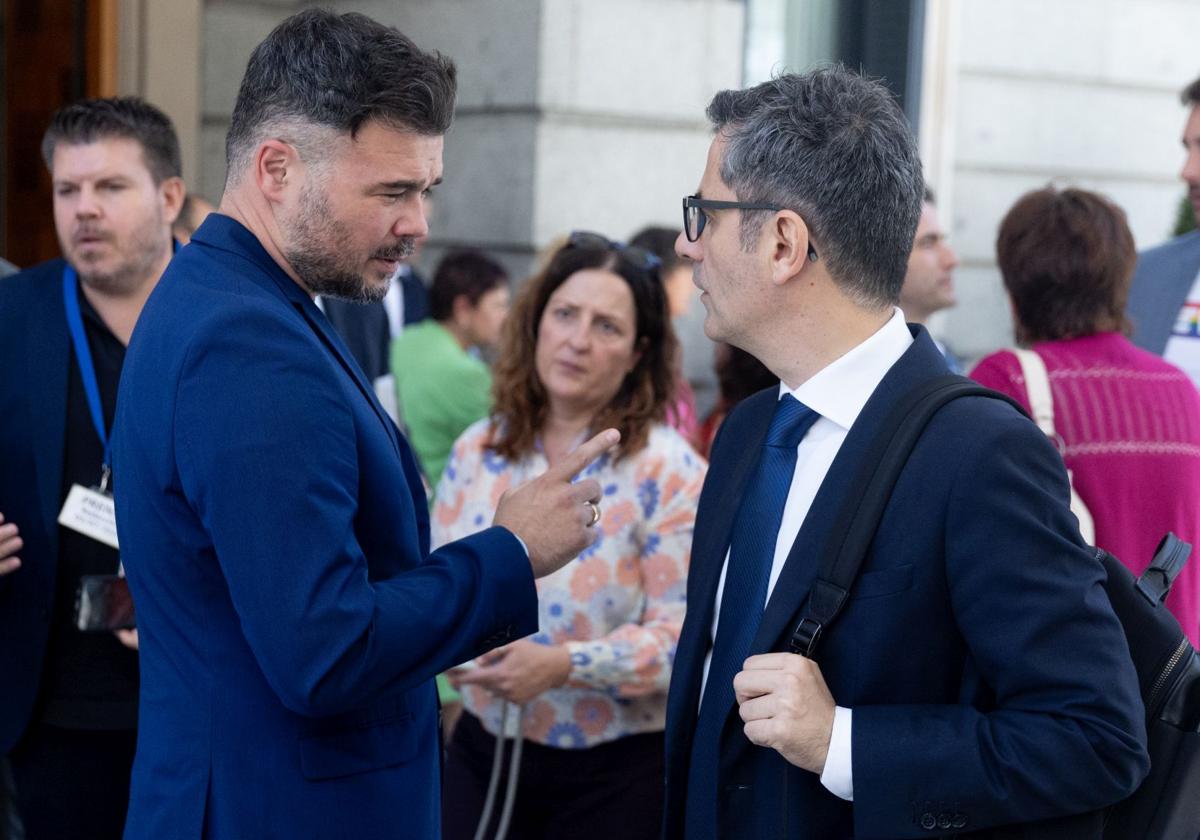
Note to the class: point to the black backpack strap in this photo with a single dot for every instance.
(854, 528)
(1169, 557)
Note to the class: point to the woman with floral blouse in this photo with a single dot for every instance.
(588, 345)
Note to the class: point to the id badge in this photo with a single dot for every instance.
(91, 513)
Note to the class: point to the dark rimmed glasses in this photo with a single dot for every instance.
(639, 258)
(694, 219)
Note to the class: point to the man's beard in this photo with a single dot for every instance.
(312, 252)
(145, 252)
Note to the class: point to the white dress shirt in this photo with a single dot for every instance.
(837, 393)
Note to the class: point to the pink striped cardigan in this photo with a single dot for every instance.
(1130, 423)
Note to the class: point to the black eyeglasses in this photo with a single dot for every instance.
(694, 220)
(639, 258)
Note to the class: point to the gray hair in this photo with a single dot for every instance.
(320, 76)
(834, 147)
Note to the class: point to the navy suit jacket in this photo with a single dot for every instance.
(275, 535)
(989, 679)
(35, 358)
(1161, 283)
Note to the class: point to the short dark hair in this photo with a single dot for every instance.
(1190, 95)
(463, 273)
(89, 120)
(834, 147)
(1066, 257)
(338, 71)
(659, 241)
(929, 197)
(520, 399)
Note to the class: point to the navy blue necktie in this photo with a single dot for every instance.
(751, 553)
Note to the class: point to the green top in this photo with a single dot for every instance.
(442, 389)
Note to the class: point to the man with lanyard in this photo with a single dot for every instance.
(68, 709)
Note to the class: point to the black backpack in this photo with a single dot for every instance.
(1167, 804)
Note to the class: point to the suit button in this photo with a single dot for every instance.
(959, 821)
(943, 821)
(928, 821)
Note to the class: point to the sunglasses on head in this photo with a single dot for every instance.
(639, 258)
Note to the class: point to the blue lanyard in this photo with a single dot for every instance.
(87, 370)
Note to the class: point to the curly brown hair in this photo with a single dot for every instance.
(521, 404)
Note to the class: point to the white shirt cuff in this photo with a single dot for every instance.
(838, 775)
(524, 547)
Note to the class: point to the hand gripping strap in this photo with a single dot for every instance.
(854, 528)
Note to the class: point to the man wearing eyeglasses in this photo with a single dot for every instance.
(978, 676)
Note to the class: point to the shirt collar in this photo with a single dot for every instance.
(839, 390)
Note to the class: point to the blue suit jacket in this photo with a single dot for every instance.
(35, 357)
(276, 539)
(1161, 283)
(989, 679)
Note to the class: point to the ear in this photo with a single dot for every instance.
(171, 192)
(461, 309)
(787, 239)
(276, 169)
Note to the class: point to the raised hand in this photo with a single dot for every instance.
(552, 516)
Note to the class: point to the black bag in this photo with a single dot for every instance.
(1167, 804)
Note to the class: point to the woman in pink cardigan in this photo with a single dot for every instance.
(1129, 421)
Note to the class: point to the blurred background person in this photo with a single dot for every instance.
(588, 345)
(1129, 421)
(676, 273)
(194, 211)
(442, 384)
(68, 698)
(1164, 301)
(929, 279)
(738, 376)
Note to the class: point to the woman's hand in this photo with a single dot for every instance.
(518, 672)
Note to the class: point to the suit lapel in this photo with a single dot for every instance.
(47, 362)
(919, 362)
(320, 324)
(724, 487)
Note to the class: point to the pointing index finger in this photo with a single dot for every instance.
(575, 462)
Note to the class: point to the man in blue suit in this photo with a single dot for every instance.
(271, 516)
(978, 676)
(1164, 298)
(68, 698)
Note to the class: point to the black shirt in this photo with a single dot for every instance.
(89, 680)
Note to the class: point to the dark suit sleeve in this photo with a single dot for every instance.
(267, 458)
(1067, 732)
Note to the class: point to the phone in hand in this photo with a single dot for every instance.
(104, 603)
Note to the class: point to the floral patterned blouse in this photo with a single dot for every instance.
(618, 607)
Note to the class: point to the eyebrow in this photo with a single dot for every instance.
(596, 311)
(404, 185)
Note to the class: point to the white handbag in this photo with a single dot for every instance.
(1041, 401)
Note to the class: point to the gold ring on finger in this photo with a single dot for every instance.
(595, 512)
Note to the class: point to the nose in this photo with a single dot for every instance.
(688, 250)
(1191, 167)
(580, 335)
(949, 257)
(413, 223)
(86, 205)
